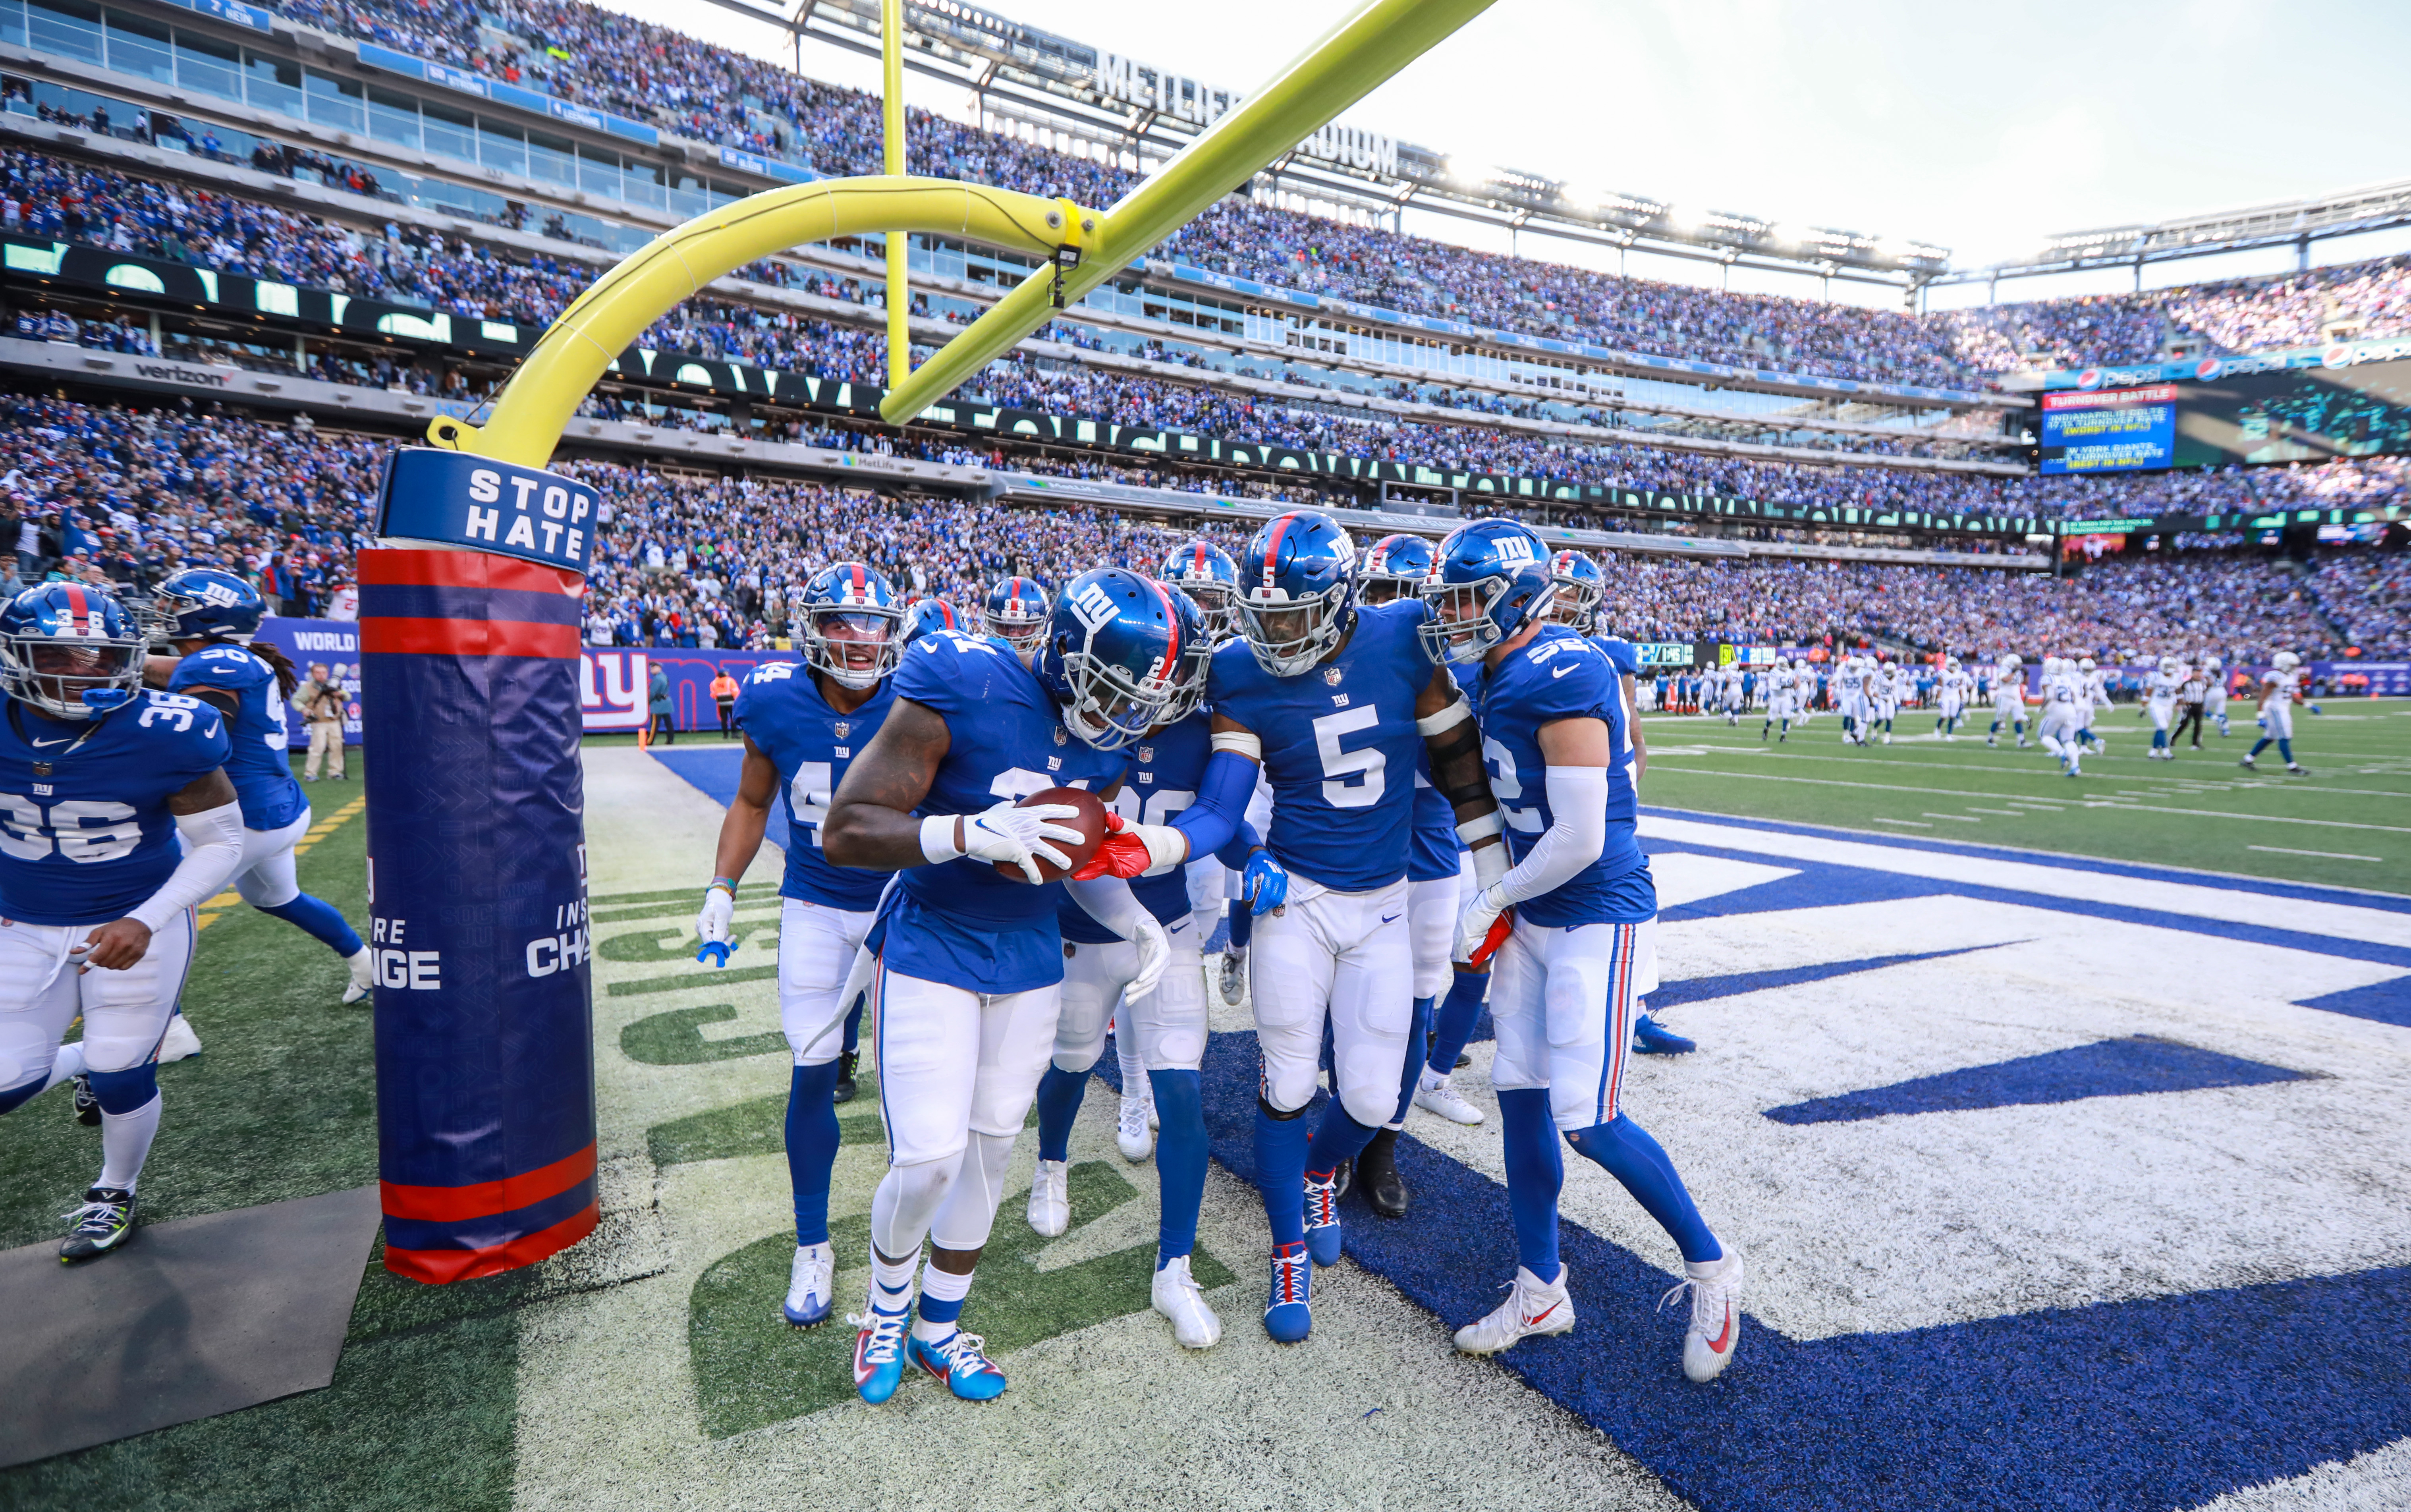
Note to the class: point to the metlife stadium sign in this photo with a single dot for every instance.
(1160, 90)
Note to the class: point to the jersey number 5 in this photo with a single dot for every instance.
(1350, 779)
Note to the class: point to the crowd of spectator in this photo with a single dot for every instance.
(2351, 301)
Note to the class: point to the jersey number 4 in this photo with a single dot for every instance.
(27, 833)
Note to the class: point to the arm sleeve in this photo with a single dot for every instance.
(1243, 843)
(213, 850)
(1221, 807)
(1576, 836)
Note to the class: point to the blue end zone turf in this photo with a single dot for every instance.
(2113, 1068)
(1703, 989)
(2167, 1402)
(2385, 1002)
(712, 771)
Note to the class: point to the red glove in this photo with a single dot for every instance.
(1499, 929)
(1118, 854)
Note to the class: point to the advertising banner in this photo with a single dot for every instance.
(2127, 431)
(613, 683)
(333, 644)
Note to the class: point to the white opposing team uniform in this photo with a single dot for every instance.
(2160, 697)
(1951, 693)
(1783, 694)
(2213, 695)
(1730, 697)
(2009, 699)
(1850, 693)
(2277, 711)
(2061, 711)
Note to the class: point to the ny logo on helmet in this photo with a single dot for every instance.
(1094, 606)
(218, 594)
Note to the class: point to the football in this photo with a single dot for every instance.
(1090, 821)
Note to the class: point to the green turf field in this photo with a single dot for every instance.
(2347, 824)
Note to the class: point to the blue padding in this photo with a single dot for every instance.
(2113, 1068)
(125, 1091)
(12, 1098)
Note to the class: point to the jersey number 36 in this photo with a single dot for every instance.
(27, 834)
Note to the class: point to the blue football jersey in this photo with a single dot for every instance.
(1561, 675)
(1165, 771)
(1620, 655)
(85, 834)
(782, 711)
(1340, 747)
(962, 922)
(261, 765)
(1433, 853)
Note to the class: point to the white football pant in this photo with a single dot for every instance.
(816, 946)
(1563, 1002)
(124, 1012)
(1347, 955)
(1169, 1023)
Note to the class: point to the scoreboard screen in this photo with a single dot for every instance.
(2112, 431)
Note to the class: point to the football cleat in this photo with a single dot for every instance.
(1650, 1037)
(1234, 976)
(1133, 1131)
(180, 1041)
(1434, 1095)
(845, 1067)
(877, 1353)
(1532, 1308)
(1179, 1298)
(811, 1282)
(1323, 1219)
(1050, 1203)
(1714, 1330)
(2296, 769)
(1385, 1190)
(1289, 1312)
(104, 1222)
(961, 1359)
(87, 1106)
(2248, 765)
(363, 975)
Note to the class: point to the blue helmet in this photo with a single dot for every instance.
(1580, 589)
(1492, 582)
(1297, 590)
(70, 650)
(1111, 657)
(1207, 575)
(1017, 612)
(850, 621)
(1399, 563)
(927, 614)
(1196, 658)
(210, 604)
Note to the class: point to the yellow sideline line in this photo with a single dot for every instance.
(210, 910)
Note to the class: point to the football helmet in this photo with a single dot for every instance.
(2085, 663)
(1110, 657)
(1580, 588)
(1297, 590)
(70, 650)
(209, 604)
(2010, 663)
(2284, 661)
(2170, 666)
(852, 625)
(1394, 568)
(927, 614)
(1492, 582)
(1196, 658)
(1017, 612)
(2213, 663)
(1207, 575)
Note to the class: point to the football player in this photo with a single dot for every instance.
(211, 618)
(1581, 899)
(1207, 574)
(2009, 701)
(1165, 1028)
(1950, 691)
(2281, 688)
(2160, 694)
(1850, 696)
(927, 614)
(801, 725)
(2063, 687)
(1782, 695)
(1016, 613)
(99, 779)
(1333, 701)
(2214, 693)
(969, 981)
(2093, 699)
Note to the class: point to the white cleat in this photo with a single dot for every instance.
(811, 1285)
(1434, 1095)
(363, 975)
(1134, 1132)
(1234, 979)
(1050, 1199)
(1178, 1297)
(1532, 1308)
(180, 1041)
(1715, 1331)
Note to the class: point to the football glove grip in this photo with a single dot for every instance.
(1264, 883)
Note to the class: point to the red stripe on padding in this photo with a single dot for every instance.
(468, 637)
(440, 1267)
(483, 1200)
(464, 569)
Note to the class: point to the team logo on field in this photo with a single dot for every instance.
(1331, 675)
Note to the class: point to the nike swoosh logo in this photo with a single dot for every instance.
(1559, 673)
(1177, 928)
(61, 740)
(1542, 1316)
(1389, 918)
(1723, 1341)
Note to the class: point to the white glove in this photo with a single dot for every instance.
(1154, 954)
(1473, 924)
(712, 926)
(1490, 863)
(1019, 836)
(1166, 847)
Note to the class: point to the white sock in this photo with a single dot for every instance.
(126, 1143)
(1710, 1270)
(940, 1286)
(1430, 1079)
(67, 1065)
(1135, 1082)
(891, 1285)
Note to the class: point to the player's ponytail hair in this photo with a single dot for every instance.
(287, 678)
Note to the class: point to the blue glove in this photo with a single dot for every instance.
(1264, 884)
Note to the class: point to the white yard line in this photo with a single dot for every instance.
(2329, 855)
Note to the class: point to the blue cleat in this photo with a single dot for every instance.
(1322, 1218)
(879, 1353)
(1288, 1314)
(1650, 1037)
(959, 1360)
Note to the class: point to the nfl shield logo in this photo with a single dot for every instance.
(1059, 737)
(1331, 675)
(840, 727)
(1146, 756)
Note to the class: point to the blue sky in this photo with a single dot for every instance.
(1982, 129)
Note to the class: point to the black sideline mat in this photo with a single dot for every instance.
(190, 1320)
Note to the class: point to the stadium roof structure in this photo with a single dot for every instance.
(2295, 223)
(1016, 70)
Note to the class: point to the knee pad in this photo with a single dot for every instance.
(128, 1090)
(908, 1200)
(964, 1219)
(1276, 1114)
